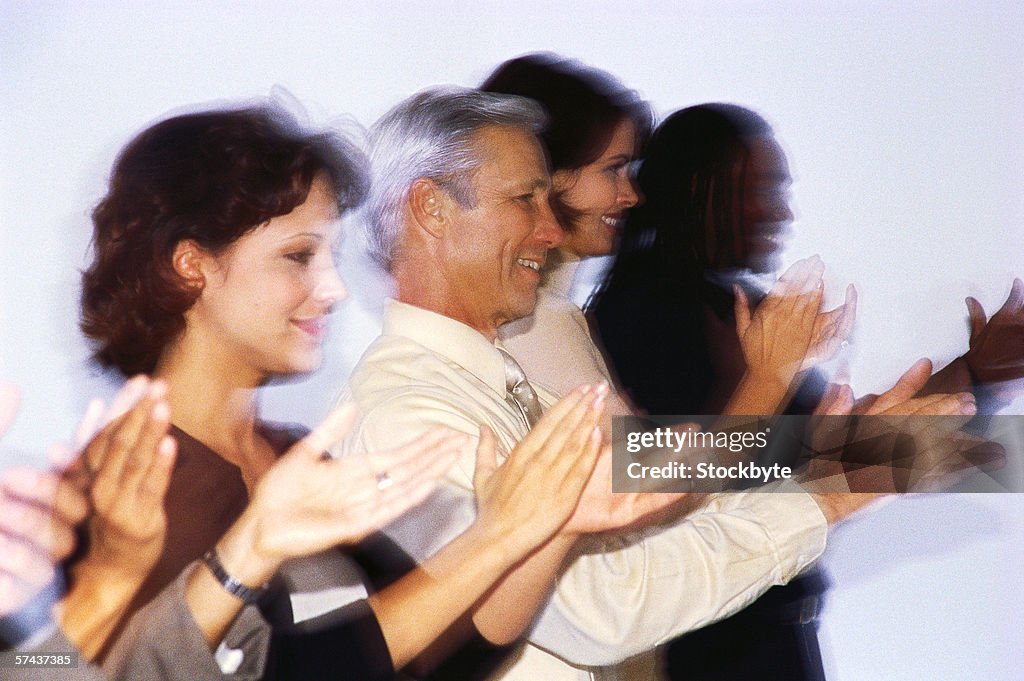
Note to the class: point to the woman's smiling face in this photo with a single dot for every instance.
(599, 193)
(266, 298)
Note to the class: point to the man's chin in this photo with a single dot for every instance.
(523, 307)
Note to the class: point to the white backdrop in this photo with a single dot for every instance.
(904, 127)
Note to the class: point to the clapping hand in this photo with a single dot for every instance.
(308, 502)
(788, 333)
(903, 443)
(129, 463)
(997, 345)
(37, 517)
(535, 491)
(125, 469)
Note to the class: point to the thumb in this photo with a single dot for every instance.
(331, 430)
(977, 317)
(1015, 301)
(842, 404)
(486, 458)
(741, 310)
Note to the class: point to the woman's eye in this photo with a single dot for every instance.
(301, 257)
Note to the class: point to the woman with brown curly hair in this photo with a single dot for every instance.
(214, 272)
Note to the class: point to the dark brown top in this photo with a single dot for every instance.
(206, 495)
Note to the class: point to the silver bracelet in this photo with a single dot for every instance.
(234, 587)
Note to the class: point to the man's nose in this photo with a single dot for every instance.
(547, 228)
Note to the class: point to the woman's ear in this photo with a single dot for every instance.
(188, 263)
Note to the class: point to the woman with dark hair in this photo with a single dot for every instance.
(213, 271)
(710, 232)
(714, 221)
(596, 129)
(715, 184)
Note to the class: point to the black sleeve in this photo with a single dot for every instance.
(349, 644)
(344, 644)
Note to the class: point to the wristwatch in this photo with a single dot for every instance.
(233, 586)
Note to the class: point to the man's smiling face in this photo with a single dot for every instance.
(497, 248)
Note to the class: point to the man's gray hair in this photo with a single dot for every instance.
(428, 136)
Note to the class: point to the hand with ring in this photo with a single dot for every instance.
(308, 502)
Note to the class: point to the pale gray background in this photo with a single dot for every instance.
(903, 122)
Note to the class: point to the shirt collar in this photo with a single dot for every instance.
(449, 338)
(560, 273)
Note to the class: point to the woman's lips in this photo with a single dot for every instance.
(316, 327)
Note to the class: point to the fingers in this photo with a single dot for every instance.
(976, 314)
(567, 441)
(157, 478)
(837, 401)
(388, 507)
(131, 447)
(331, 431)
(792, 279)
(958, 404)
(849, 315)
(9, 400)
(344, 500)
(35, 526)
(101, 443)
(47, 491)
(576, 458)
(589, 456)
(831, 329)
(411, 490)
(23, 571)
(130, 393)
(154, 420)
(741, 310)
(908, 385)
(806, 305)
(1015, 301)
(486, 458)
(433, 451)
(798, 292)
(90, 423)
(804, 276)
(553, 418)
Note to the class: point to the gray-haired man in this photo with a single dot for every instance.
(459, 214)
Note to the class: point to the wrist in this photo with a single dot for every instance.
(760, 392)
(103, 586)
(243, 553)
(502, 546)
(838, 506)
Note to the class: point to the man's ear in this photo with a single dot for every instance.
(430, 206)
(188, 262)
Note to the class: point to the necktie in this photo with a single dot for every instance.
(518, 391)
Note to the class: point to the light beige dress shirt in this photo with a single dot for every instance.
(617, 597)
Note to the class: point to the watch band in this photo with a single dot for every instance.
(234, 587)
